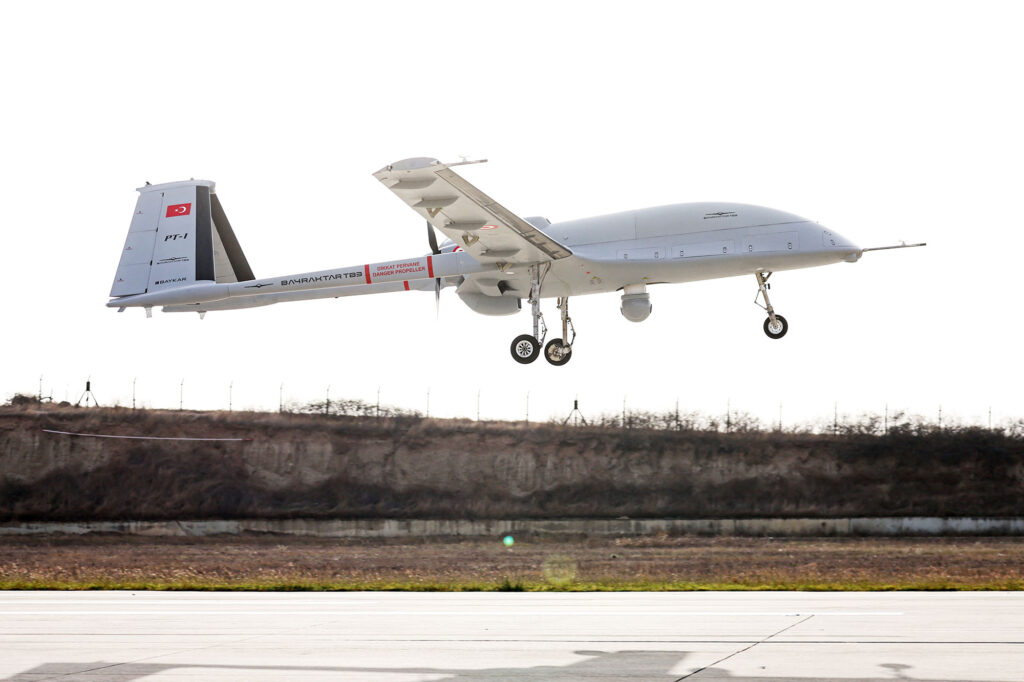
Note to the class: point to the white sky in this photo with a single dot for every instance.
(881, 120)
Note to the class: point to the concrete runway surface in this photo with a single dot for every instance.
(400, 637)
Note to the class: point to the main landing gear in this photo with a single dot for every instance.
(558, 351)
(775, 326)
(526, 347)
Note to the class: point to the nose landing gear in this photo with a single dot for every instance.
(776, 329)
(775, 326)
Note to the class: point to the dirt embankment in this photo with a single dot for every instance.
(309, 466)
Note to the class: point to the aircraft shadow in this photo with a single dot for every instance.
(653, 666)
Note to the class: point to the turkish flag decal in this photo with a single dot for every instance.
(178, 209)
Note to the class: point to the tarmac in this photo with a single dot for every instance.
(402, 637)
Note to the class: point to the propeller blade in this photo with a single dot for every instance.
(437, 296)
(432, 239)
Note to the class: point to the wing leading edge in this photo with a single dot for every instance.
(485, 229)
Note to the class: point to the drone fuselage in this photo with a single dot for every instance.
(666, 244)
(686, 243)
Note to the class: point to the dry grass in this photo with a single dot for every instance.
(657, 562)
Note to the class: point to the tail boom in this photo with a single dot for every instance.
(396, 274)
(256, 301)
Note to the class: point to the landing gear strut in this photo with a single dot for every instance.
(775, 326)
(558, 351)
(526, 347)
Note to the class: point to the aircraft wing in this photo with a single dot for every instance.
(485, 229)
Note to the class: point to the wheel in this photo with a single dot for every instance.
(556, 352)
(777, 330)
(525, 349)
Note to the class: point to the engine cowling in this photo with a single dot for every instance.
(491, 305)
(636, 307)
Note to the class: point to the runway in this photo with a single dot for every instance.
(405, 637)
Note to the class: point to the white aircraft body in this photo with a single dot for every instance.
(182, 254)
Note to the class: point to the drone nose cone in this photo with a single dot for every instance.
(841, 246)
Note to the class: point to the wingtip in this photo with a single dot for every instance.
(410, 164)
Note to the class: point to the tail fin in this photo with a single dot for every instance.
(179, 235)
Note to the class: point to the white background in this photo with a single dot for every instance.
(883, 121)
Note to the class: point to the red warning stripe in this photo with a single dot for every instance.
(367, 271)
(406, 283)
(430, 266)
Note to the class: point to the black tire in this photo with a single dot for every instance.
(553, 353)
(525, 349)
(778, 333)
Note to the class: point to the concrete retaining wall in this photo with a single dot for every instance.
(397, 528)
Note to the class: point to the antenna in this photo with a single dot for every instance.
(88, 395)
(902, 245)
(576, 416)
